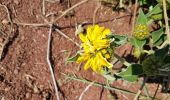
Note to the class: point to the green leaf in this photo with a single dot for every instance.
(157, 16)
(131, 72)
(138, 43)
(167, 59)
(142, 2)
(74, 58)
(162, 53)
(155, 62)
(142, 19)
(156, 35)
(119, 39)
(156, 10)
(161, 40)
(168, 1)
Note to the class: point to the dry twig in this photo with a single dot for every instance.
(166, 20)
(70, 9)
(134, 16)
(166, 25)
(166, 17)
(81, 96)
(141, 88)
(49, 62)
(7, 38)
(59, 17)
(95, 12)
(67, 37)
(43, 7)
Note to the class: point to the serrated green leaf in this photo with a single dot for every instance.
(142, 19)
(138, 43)
(156, 35)
(156, 10)
(73, 59)
(131, 73)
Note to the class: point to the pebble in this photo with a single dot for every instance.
(28, 95)
(16, 2)
(5, 21)
(16, 71)
(7, 89)
(3, 98)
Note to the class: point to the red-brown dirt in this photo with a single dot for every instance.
(24, 72)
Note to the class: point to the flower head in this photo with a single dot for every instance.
(141, 32)
(95, 38)
(95, 44)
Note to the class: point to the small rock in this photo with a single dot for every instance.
(5, 21)
(16, 2)
(1, 40)
(15, 71)
(45, 94)
(35, 89)
(7, 89)
(3, 98)
(28, 95)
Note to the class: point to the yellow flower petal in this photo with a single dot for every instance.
(88, 64)
(93, 34)
(103, 43)
(80, 59)
(99, 68)
(89, 31)
(107, 56)
(94, 64)
(105, 32)
(83, 57)
(93, 43)
(82, 37)
(104, 51)
(103, 61)
(96, 32)
(88, 48)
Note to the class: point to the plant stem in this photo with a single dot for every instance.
(141, 88)
(166, 23)
(166, 18)
(122, 60)
(102, 85)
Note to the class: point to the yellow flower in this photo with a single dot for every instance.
(141, 32)
(95, 44)
(95, 38)
(107, 56)
(137, 52)
(97, 62)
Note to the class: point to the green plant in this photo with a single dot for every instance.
(151, 61)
